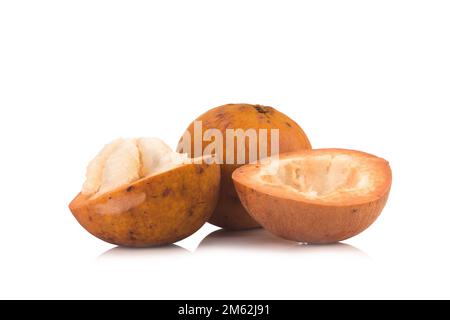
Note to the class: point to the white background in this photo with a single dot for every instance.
(367, 75)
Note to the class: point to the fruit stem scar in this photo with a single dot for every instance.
(260, 109)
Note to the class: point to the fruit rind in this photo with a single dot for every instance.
(300, 219)
(230, 214)
(156, 210)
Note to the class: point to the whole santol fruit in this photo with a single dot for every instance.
(319, 196)
(229, 212)
(140, 193)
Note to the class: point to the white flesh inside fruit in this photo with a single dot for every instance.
(124, 161)
(325, 176)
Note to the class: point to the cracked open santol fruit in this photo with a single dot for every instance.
(230, 213)
(138, 193)
(317, 196)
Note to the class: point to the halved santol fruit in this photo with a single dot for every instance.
(138, 193)
(316, 196)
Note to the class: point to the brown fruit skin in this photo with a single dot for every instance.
(230, 213)
(153, 211)
(309, 222)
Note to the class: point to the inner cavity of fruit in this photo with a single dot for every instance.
(321, 176)
(125, 161)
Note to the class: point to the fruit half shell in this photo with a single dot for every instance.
(156, 210)
(316, 196)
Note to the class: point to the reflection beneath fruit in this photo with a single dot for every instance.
(244, 239)
(143, 253)
(226, 243)
(260, 240)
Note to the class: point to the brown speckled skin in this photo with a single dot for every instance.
(230, 213)
(153, 211)
(309, 222)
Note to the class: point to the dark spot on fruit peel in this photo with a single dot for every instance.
(166, 192)
(355, 210)
(288, 124)
(220, 115)
(90, 218)
(261, 109)
(131, 236)
(109, 198)
(191, 212)
(130, 188)
(200, 170)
